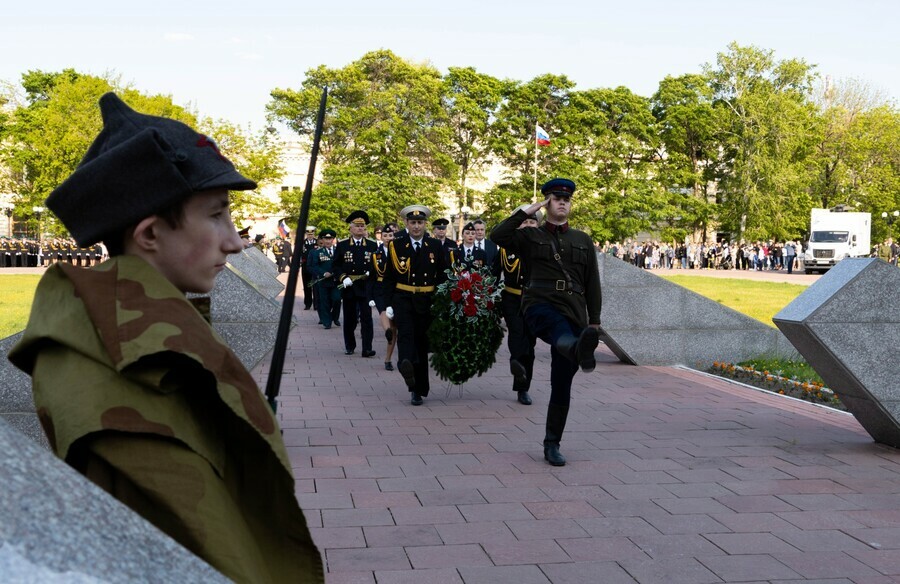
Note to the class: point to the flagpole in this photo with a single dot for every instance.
(535, 157)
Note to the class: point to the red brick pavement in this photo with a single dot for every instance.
(672, 477)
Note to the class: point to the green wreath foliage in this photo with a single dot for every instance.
(465, 333)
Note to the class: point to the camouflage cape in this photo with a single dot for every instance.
(135, 390)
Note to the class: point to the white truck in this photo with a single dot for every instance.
(835, 234)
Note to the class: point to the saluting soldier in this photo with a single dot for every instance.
(519, 339)
(321, 267)
(351, 265)
(415, 265)
(561, 299)
(467, 255)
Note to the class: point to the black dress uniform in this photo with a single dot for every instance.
(414, 269)
(352, 259)
(561, 298)
(320, 262)
(309, 295)
(519, 339)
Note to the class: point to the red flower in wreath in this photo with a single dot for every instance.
(470, 309)
(456, 295)
(464, 284)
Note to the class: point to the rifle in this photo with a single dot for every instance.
(273, 383)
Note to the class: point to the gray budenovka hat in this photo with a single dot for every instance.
(137, 166)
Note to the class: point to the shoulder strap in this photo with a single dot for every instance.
(558, 259)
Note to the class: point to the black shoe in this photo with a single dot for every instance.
(416, 400)
(408, 372)
(553, 456)
(326, 326)
(520, 376)
(524, 398)
(584, 350)
(349, 351)
(368, 353)
(337, 323)
(388, 366)
(307, 307)
(389, 335)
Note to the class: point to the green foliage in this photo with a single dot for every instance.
(385, 140)
(45, 138)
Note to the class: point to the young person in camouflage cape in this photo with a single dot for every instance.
(132, 386)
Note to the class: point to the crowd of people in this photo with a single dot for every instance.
(724, 255)
(31, 253)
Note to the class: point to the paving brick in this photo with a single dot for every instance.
(748, 567)
(546, 529)
(825, 565)
(448, 556)
(525, 552)
(586, 573)
(669, 571)
(427, 515)
(601, 549)
(373, 559)
(438, 576)
(338, 537)
(401, 535)
(481, 532)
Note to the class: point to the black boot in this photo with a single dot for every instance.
(580, 350)
(556, 423)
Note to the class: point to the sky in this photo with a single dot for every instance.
(223, 58)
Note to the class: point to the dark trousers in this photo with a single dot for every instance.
(546, 323)
(518, 338)
(309, 294)
(412, 313)
(356, 309)
(329, 304)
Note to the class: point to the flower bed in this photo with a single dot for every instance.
(465, 334)
(811, 391)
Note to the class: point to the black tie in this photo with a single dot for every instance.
(416, 246)
(468, 254)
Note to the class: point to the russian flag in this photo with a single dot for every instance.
(283, 229)
(542, 137)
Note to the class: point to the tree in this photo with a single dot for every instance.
(46, 136)
(385, 129)
(765, 129)
(471, 99)
(687, 124)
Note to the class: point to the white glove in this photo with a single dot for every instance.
(390, 312)
(347, 282)
(371, 304)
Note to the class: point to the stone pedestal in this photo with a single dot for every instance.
(648, 320)
(847, 326)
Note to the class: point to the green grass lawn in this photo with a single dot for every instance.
(16, 293)
(759, 300)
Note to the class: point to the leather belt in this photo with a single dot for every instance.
(415, 289)
(511, 290)
(559, 285)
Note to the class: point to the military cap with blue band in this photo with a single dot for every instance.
(561, 187)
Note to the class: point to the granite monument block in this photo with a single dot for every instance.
(847, 326)
(648, 320)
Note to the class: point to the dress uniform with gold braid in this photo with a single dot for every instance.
(519, 339)
(351, 262)
(409, 284)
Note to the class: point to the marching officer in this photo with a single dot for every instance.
(519, 339)
(306, 246)
(439, 229)
(415, 266)
(321, 267)
(561, 298)
(278, 252)
(351, 265)
(376, 293)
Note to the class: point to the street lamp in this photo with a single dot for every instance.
(890, 217)
(38, 211)
(8, 210)
(462, 216)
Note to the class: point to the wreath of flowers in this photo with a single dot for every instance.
(465, 333)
